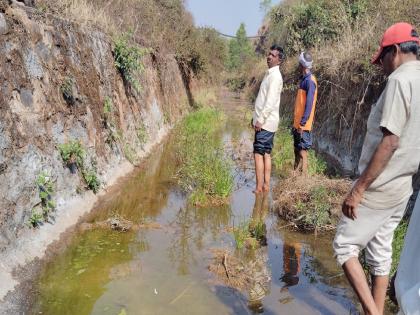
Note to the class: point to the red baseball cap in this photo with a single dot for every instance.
(396, 34)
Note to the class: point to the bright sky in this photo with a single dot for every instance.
(226, 15)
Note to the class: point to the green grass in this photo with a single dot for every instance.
(204, 169)
(398, 243)
(319, 208)
(46, 190)
(283, 156)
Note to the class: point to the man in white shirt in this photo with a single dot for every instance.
(390, 157)
(266, 118)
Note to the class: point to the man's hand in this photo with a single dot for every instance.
(258, 126)
(351, 203)
(299, 130)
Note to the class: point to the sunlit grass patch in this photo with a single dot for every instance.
(283, 156)
(204, 170)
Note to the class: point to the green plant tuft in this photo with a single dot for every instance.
(204, 168)
(142, 134)
(128, 59)
(92, 180)
(66, 89)
(46, 190)
(35, 219)
(73, 151)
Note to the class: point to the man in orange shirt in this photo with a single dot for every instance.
(304, 112)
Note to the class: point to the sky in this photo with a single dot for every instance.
(226, 15)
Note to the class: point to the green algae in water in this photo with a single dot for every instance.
(78, 277)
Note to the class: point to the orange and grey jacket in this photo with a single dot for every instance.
(305, 103)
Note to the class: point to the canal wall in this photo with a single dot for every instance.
(58, 83)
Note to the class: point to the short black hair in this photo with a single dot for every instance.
(279, 49)
(409, 47)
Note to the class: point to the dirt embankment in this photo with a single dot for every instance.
(57, 80)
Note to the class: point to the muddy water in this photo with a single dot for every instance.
(165, 271)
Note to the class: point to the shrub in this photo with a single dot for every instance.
(128, 58)
(66, 89)
(73, 151)
(92, 180)
(108, 112)
(46, 190)
(35, 219)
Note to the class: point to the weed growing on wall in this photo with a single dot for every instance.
(142, 134)
(74, 152)
(129, 153)
(128, 59)
(66, 89)
(108, 112)
(35, 219)
(92, 180)
(46, 190)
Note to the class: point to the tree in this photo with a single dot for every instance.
(240, 49)
(265, 6)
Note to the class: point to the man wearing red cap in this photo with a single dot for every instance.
(390, 157)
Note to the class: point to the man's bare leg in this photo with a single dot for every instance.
(259, 172)
(304, 158)
(379, 288)
(356, 276)
(267, 172)
(297, 160)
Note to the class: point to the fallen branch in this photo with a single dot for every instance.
(225, 265)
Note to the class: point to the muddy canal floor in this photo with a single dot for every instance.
(162, 265)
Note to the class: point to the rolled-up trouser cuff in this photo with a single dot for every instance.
(380, 271)
(342, 259)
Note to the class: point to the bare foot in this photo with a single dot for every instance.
(257, 191)
(266, 188)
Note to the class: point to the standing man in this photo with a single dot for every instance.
(390, 157)
(304, 113)
(266, 118)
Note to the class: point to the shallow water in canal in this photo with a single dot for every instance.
(165, 270)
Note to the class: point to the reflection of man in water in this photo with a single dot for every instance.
(257, 266)
(257, 226)
(291, 264)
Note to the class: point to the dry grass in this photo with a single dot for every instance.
(312, 203)
(244, 274)
(153, 23)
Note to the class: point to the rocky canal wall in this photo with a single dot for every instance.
(59, 83)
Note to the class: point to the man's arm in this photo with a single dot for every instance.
(272, 98)
(377, 164)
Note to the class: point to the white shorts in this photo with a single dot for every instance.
(374, 230)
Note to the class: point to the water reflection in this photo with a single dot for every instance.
(257, 260)
(291, 264)
(192, 225)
